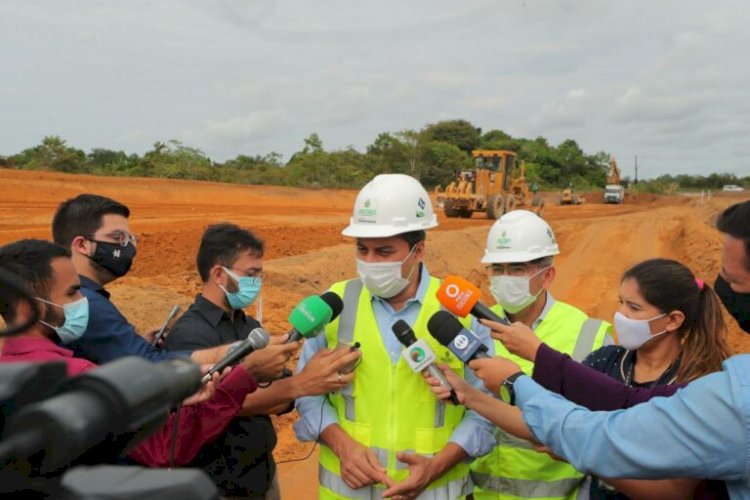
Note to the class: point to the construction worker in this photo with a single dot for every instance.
(385, 434)
(520, 250)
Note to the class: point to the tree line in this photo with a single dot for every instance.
(434, 155)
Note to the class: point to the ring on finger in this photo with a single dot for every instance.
(339, 374)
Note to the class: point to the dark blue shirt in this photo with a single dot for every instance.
(109, 336)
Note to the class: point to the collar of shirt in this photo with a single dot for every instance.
(547, 307)
(93, 285)
(20, 345)
(213, 313)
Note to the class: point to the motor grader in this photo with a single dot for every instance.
(496, 185)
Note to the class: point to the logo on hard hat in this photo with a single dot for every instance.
(421, 204)
(551, 236)
(503, 242)
(366, 211)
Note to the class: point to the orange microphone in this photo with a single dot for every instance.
(462, 298)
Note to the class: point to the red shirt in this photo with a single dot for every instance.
(199, 424)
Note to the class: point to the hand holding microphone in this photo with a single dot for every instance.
(256, 339)
(470, 349)
(406, 336)
(268, 364)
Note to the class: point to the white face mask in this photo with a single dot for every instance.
(513, 293)
(384, 279)
(633, 333)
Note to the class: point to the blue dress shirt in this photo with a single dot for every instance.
(108, 335)
(474, 433)
(703, 431)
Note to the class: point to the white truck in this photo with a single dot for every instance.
(614, 193)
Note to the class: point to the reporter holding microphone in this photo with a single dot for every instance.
(230, 263)
(385, 434)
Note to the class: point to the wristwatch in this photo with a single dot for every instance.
(507, 394)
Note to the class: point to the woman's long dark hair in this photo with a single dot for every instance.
(670, 286)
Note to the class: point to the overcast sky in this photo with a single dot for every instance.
(666, 80)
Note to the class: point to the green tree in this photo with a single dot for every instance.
(51, 154)
(460, 133)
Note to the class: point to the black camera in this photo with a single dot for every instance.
(52, 427)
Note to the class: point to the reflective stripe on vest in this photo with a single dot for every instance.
(334, 484)
(586, 339)
(526, 488)
(413, 425)
(514, 469)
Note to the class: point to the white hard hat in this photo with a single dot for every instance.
(388, 205)
(519, 236)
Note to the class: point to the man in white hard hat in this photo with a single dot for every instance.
(385, 434)
(520, 251)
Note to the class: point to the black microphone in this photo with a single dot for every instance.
(257, 339)
(406, 336)
(334, 302)
(447, 330)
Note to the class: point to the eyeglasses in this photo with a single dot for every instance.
(511, 269)
(258, 273)
(122, 238)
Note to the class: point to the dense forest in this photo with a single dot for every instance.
(433, 155)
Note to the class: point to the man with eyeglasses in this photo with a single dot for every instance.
(96, 231)
(520, 251)
(230, 264)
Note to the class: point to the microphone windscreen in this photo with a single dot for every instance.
(458, 295)
(259, 338)
(334, 302)
(444, 327)
(403, 332)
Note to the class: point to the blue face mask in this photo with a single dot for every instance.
(248, 290)
(76, 319)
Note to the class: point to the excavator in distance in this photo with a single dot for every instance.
(495, 186)
(613, 191)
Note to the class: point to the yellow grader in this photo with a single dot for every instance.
(496, 185)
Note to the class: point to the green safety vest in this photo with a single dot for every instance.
(514, 469)
(388, 407)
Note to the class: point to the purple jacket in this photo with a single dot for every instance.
(587, 387)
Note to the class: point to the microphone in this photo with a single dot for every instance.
(461, 297)
(406, 336)
(310, 316)
(447, 330)
(334, 302)
(257, 339)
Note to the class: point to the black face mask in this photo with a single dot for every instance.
(738, 304)
(114, 257)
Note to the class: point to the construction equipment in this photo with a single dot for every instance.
(614, 192)
(496, 186)
(569, 198)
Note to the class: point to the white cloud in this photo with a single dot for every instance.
(659, 79)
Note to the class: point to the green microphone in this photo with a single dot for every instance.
(308, 318)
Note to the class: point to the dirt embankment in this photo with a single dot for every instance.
(306, 253)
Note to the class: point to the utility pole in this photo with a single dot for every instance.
(636, 170)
